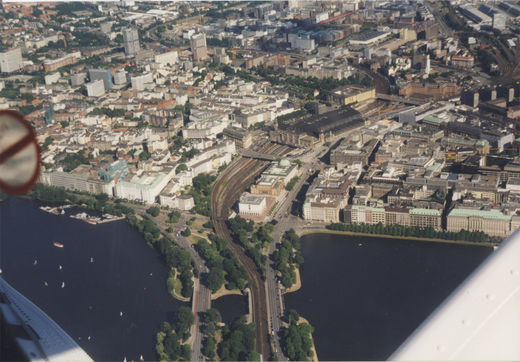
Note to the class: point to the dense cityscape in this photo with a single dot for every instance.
(225, 132)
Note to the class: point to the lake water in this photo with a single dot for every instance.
(231, 307)
(106, 269)
(364, 296)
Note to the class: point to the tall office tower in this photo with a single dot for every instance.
(198, 47)
(131, 41)
(499, 21)
(101, 74)
(11, 60)
(95, 88)
(427, 66)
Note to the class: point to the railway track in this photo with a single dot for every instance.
(230, 184)
(226, 191)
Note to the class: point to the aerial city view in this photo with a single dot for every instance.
(294, 180)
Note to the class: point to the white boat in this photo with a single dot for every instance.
(60, 267)
(63, 284)
(91, 260)
(120, 314)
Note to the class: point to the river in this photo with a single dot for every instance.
(364, 295)
(114, 298)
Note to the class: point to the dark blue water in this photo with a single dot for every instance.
(365, 300)
(231, 307)
(125, 276)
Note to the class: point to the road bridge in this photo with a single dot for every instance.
(394, 98)
(257, 155)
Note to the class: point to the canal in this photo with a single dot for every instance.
(364, 295)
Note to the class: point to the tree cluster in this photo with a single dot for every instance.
(153, 210)
(112, 113)
(222, 263)
(73, 160)
(174, 216)
(297, 338)
(201, 192)
(211, 319)
(238, 342)
(169, 345)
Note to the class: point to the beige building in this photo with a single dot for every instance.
(493, 223)
(425, 218)
(326, 210)
(360, 214)
(241, 136)
(350, 95)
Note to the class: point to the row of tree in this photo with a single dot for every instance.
(290, 185)
(253, 243)
(58, 195)
(428, 232)
(174, 256)
(307, 86)
(287, 257)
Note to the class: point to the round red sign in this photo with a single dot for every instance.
(20, 156)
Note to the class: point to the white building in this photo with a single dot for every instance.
(96, 88)
(11, 60)
(77, 182)
(120, 77)
(145, 188)
(301, 42)
(52, 78)
(252, 205)
(182, 202)
(140, 82)
(168, 58)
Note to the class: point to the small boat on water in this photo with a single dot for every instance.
(91, 221)
(35, 262)
(63, 284)
(60, 267)
(58, 245)
(91, 260)
(120, 314)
